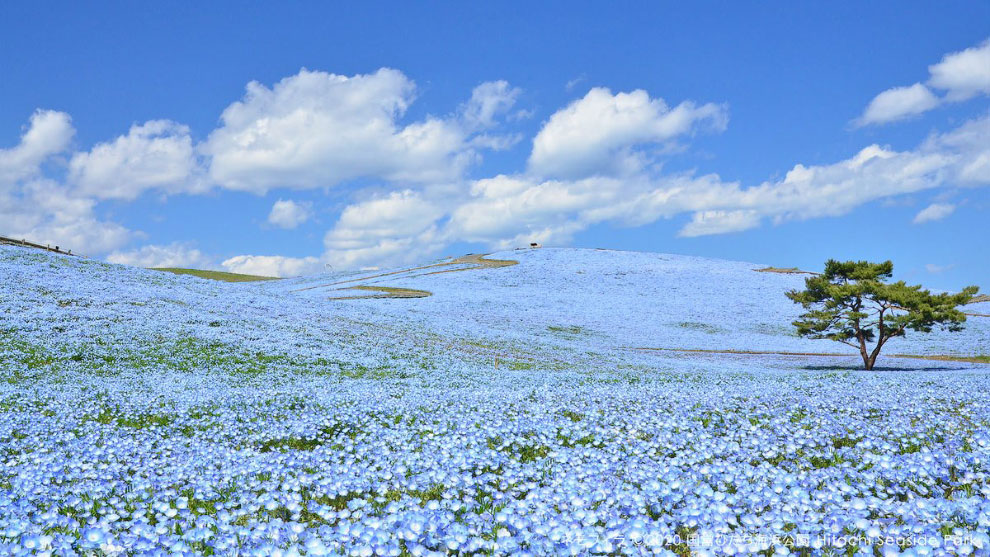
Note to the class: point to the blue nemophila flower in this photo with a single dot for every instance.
(145, 413)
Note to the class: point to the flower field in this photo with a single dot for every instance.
(544, 408)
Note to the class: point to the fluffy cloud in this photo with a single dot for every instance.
(508, 211)
(874, 173)
(172, 255)
(935, 211)
(597, 134)
(962, 75)
(48, 133)
(157, 154)
(898, 103)
(289, 214)
(590, 163)
(317, 129)
(42, 210)
(273, 265)
(397, 228)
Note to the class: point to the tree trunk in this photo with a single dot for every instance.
(870, 361)
(873, 357)
(867, 361)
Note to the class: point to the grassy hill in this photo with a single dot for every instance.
(213, 275)
(563, 404)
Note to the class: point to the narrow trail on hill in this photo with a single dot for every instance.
(949, 358)
(383, 292)
(475, 262)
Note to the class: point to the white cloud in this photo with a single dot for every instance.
(316, 129)
(507, 209)
(488, 100)
(157, 154)
(898, 103)
(48, 133)
(273, 265)
(935, 211)
(41, 210)
(396, 228)
(171, 255)
(289, 214)
(597, 134)
(591, 163)
(963, 74)
(705, 223)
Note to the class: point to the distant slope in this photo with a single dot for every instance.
(613, 299)
(214, 275)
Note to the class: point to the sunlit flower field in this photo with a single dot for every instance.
(543, 408)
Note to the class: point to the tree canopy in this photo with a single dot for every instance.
(851, 302)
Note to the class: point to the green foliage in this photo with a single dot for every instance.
(852, 303)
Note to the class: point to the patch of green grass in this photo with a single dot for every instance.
(566, 330)
(519, 366)
(703, 327)
(386, 292)
(326, 434)
(142, 421)
(24, 354)
(839, 442)
(911, 447)
(820, 462)
(532, 453)
(570, 443)
(289, 444)
(784, 270)
(214, 275)
(572, 415)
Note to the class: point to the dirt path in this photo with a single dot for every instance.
(475, 261)
(975, 360)
(383, 292)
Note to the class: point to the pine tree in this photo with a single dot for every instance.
(852, 303)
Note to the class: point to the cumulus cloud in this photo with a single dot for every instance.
(961, 75)
(396, 228)
(39, 209)
(935, 211)
(509, 210)
(592, 162)
(289, 214)
(898, 103)
(273, 265)
(48, 133)
(157, 154)
(317, 129)
(171, 255)
(598, 133)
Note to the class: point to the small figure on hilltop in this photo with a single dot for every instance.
(852, 303)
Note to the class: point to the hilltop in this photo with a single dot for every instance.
(574, 299)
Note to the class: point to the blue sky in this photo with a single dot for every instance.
(390, 133)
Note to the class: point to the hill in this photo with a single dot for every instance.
(213, 275)
(548, 406)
